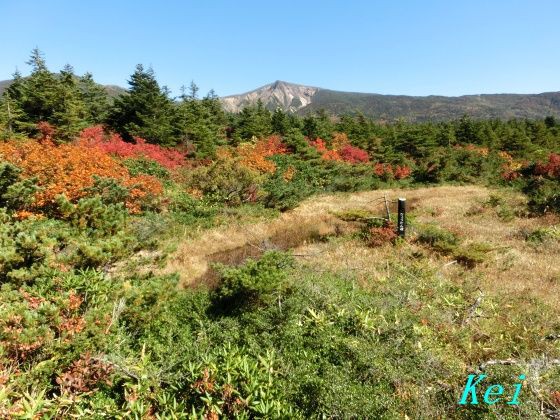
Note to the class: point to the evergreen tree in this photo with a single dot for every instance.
(318, 126)
(10, 115)
(145, 110)
(201, 122)
(280, 122)
(45, 96)
(95, 99)
(35, 95)
(69, 112)
(253, 121)
(468, 132)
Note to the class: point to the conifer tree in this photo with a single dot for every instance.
(95, 99)
(254, 121)
(145, 110)
(35, 95)
(69, 112)
(280, 122)
(318, 126)
(201, 121)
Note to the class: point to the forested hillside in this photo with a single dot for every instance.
(304, 100)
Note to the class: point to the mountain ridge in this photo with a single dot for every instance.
(303, 99)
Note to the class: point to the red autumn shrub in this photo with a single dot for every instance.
(341, 150)
(402, 172)
(551, 168)
(379, 236)
(47, 130)
(319, 144)
(84, 375)
(353, 154)
(383, 170)
(113, 144)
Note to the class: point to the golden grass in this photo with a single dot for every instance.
(513, 267)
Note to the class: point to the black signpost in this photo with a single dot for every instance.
(401, 220)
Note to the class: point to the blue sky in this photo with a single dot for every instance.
(393, 47)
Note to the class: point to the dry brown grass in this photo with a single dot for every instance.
(513, 267)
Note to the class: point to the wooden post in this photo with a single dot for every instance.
(401, 220)
(387, 208)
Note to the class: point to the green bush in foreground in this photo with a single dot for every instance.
(305, 345)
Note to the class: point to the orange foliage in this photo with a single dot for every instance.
(387, 171)
(479, 150)
(224, 153)
(255, 155)
(339, 141)
(289, 173)
(510, 167)
(68, 169)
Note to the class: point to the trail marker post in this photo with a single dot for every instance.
(401, 219)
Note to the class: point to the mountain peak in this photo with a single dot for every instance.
(278, 94)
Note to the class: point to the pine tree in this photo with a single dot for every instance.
(280, 122)
(69, 113)
(95, 99)
(145, 110)
(202, 121)
(10, 115)
(254, 121)
(45, 96)
(318, 126)
(35, 95)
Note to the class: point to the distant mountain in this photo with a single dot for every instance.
(304, 99)
(288, 96)
(4, 85)
(112, 90)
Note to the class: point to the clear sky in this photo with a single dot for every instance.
(447, 47)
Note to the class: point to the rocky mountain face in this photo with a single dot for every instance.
(288, 96)
(303, 99)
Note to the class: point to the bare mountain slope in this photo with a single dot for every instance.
(288, 96)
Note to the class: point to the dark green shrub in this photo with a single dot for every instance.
(472, 254)
(544, 195)
(108, 190)
(542, 235)
(439, 239)
(27, 248)
(15, 193)
(253, 283)
(138, 166)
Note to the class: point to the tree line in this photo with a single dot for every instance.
(147, 110)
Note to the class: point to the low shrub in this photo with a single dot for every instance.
(71, 170)
(112, 144)
(472, 254)
(379, 236)
(542, 235)
(439, 239)
(253, 284)
(138, 166)
(543, 194)
(225, 181)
